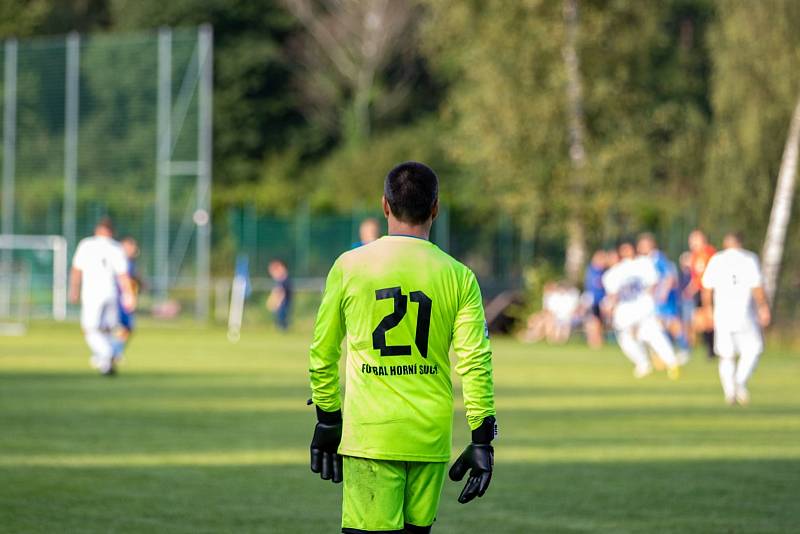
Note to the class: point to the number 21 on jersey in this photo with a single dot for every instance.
(393, 319)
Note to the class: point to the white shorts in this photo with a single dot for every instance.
(99, 314)
(746, 342)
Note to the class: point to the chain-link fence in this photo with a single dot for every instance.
(499, 249)
(310, 242)
(112, 125)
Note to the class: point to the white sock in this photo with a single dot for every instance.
(632, 348)
(101, 347)
(747, 364)
(727, 372)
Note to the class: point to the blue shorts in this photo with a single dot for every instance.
(668, 311)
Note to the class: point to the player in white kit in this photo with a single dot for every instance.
(629, 288)
(733, 288)
(99, 267)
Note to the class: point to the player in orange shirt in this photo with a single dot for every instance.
(701, 251)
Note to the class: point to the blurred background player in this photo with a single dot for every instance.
(593, 295)
(560, 304)
(563, 305)
(540, 324)
(99, 267)
(630, 285)
(126, 318)
(733, 290)
(687, 304)
(612, 258)
(666, 293)
(701, 251)
(368, 231)
(280, 298)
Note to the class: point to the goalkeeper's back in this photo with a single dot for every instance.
(401, 302)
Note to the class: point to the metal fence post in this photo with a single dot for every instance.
(205, 57)
(302, 239)
(9, 134)
(71, 110)
(9, 162)
(60, 251)
(163, 150)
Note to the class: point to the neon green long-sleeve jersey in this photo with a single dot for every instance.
(401, 303)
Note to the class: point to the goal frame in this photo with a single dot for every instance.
(58, 246)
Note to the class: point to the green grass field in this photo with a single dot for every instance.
(197, 435)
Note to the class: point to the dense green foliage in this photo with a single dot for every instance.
(198, 435)
(686, 104)
(645, 105)
(756, 86)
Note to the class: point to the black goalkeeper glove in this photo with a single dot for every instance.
(327, 435)
(478, 459)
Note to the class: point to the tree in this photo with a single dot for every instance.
(505, 106)
(755, 48)
(48, 17)
(20, 20)
(341, 58)
(781, 207)
(643, 106)
(576, 245)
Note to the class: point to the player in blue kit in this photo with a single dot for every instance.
(126, 317)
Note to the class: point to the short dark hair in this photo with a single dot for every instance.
(736, 235)
(648, 236)
(626, 242)
(106, 223)
(411, 189)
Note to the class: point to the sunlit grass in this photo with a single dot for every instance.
(196, 434)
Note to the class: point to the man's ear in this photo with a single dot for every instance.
(435, 210)
(386, 209)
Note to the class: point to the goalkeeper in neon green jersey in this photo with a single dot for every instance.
(401, 303)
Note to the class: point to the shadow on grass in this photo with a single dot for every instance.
(696, 496)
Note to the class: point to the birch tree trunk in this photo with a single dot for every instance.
(349, 43)
(576, 245)
(775, 239)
